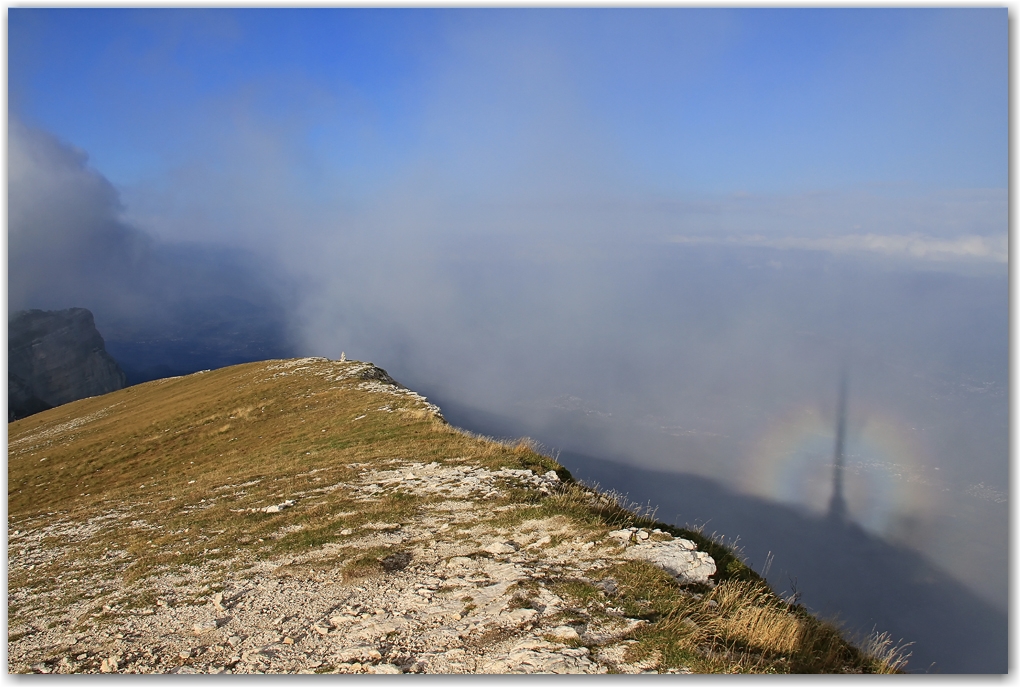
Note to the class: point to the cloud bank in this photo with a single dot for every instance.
(914, 246)
(69, 246)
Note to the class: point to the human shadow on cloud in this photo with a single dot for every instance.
(840, 571)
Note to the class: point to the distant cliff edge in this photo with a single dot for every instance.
(55, 357)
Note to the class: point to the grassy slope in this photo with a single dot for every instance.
(164, 450)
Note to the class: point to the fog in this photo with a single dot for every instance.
(705, 360)
(600, 234)
(163, 307)
(724, 362)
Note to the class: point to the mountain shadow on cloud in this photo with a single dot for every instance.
(840, 571)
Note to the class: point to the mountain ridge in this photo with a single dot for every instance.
(310, 515)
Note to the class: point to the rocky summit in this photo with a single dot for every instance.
(313, 516)
(55, 357)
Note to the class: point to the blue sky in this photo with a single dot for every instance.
(815, 129)
(677, 100)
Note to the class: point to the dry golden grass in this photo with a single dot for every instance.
(749, 613)
(889, 656)
(167, 474)
(181, 449)
(743, 626)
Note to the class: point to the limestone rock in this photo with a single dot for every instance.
(385, 669)
(564, 632)
(358, 653)
(500, 548)
(200, 628)
(519, 616)
(622, 536)
(277, 508)
(540, 542)
(537, 656)
(678, 557)
(186, 670)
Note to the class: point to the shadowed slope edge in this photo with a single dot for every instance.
(314, 516)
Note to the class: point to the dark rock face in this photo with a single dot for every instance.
(56, 357)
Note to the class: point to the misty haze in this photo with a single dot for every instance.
(747, 267)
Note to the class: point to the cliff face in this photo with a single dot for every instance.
(55, 357)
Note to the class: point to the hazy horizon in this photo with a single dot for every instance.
(658, 237)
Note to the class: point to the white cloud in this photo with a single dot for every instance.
(911, 246)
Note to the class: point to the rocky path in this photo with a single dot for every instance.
(450, 591)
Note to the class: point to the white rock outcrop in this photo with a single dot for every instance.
(678, 557)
